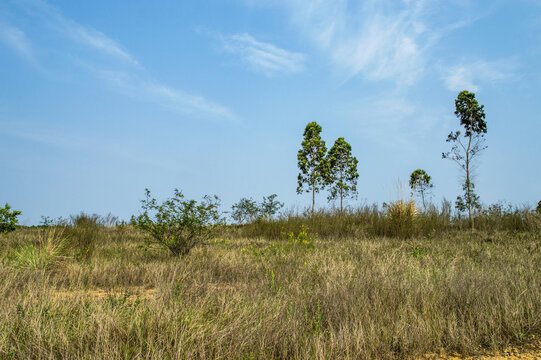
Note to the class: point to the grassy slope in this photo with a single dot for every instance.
(253, 298)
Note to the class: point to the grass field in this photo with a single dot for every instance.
(358, 295)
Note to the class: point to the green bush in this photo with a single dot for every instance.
(8, 219)
(178, 224)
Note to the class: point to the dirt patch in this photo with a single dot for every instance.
(130, 293)
(532, 352)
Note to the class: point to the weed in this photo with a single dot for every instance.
(417, 252)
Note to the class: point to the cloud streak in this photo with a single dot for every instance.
(68, 28)
(16, 39)
(132, 79)
(473, 75)
(263, 57)
(377, 40)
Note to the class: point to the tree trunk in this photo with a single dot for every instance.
(313, 198)
(341, 188)
(468, 174)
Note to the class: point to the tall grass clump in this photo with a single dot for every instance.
(49, 249)
(83, 231)
(401, 215)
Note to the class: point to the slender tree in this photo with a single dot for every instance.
(420, 183)
(342, 175)
(312, 162)
(472, 117)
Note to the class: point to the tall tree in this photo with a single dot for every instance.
(312, 162)
(343, 175)
(420, 183)
(472, 118)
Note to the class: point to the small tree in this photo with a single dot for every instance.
(472, 117)
(538, 209)
(8, 219)
(312, 162)
(342, 175)
(178, 224)
(420, 183)
(270, 206)
(246, 210)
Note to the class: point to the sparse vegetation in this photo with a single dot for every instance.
(301, 295)
(353, 283)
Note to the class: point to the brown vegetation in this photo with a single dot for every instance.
(342, 297)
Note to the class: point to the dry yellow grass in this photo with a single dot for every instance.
(254, 298)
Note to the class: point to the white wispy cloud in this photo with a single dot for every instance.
(263, 57)
(98, 41)
(374, 39)
(472, 75)
(130, 80)
(17, 40)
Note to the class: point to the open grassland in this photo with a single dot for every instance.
(234, 297)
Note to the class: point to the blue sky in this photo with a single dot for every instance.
(100, 99)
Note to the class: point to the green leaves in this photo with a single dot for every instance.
(8, 219)
(470, 113)
(178, 224)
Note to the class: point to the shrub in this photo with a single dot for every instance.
(8, 219)
(178, 224)
(246, 210)
(538, 209)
